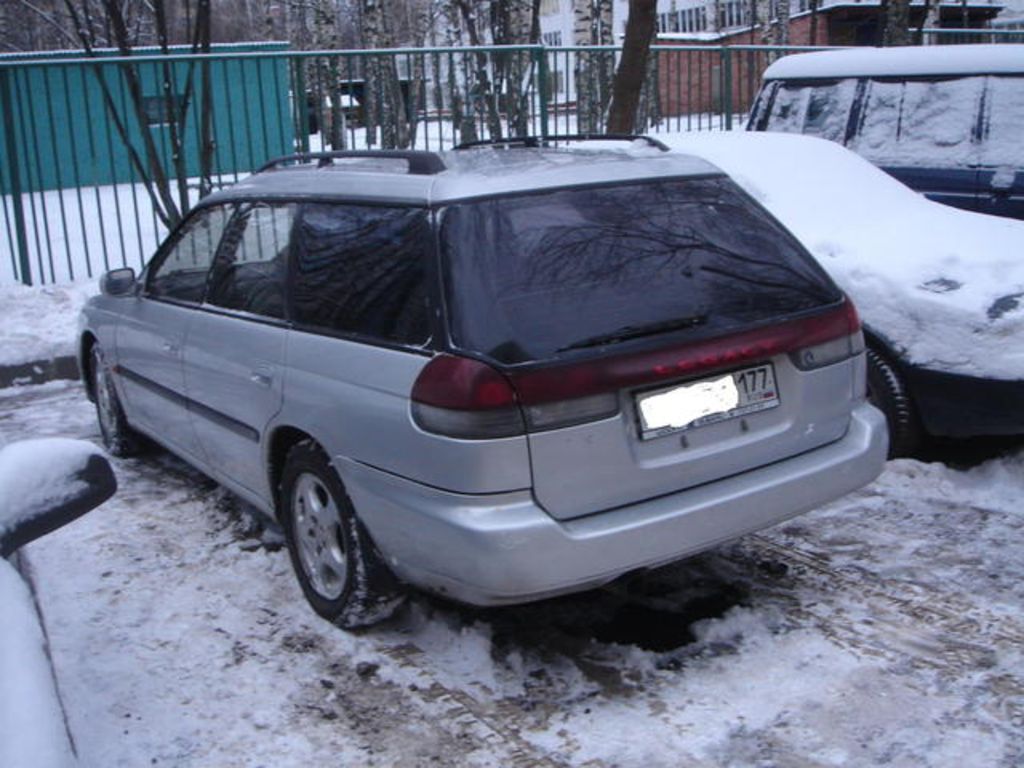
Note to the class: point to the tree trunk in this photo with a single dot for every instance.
(482, 99)
(897, 23)
(384, 97)
(631, 74)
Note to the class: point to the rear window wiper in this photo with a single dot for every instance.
(636, 331)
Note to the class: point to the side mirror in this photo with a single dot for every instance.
(118, 282)
(45, 484)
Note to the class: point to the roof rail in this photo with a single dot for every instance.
(535, 142)
(420, 163)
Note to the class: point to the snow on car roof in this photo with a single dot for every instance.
(904, 61)
(944, 286)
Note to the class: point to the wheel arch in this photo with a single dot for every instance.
(85, 344)
(282, 439)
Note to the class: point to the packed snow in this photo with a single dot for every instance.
(40, 323)
(882, 629)
(944, 286)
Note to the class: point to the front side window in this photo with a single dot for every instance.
(360, 269)
(249, 273)
(528, 277)
(821, 108)
(181, 274)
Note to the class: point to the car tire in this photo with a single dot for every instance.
(118, 437)
(341, 573)
(888, 391)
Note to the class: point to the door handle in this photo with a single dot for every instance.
(263, 375)
(170, 349)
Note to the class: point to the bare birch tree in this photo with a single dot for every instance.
(384, 99)
(897, 23)
(170, 201)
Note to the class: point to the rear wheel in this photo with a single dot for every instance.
(338, 567)
(119, 438)
(888, 392)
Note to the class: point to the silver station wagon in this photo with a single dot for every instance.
(499, 373)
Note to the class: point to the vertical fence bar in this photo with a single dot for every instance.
(76, 170)
(11, 144)
(727, 85)
(32, 170)
(542, 89)
(48, 93)
(98, 72)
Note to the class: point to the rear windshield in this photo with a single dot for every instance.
(532, 276)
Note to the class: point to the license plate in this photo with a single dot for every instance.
(707, 401)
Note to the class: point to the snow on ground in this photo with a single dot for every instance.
(882, 629)
(946, 286)
(41, 323)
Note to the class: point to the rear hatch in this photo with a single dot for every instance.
(657, 335)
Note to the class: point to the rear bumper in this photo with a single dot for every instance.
(503, 548)
(951, 405)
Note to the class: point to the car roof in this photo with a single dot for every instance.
(910, 61)
(469, 173)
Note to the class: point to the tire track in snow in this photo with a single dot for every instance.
(462, 710)
(934, 628)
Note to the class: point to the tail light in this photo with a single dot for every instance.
(465, 398)
(847, 340)
(460, 397)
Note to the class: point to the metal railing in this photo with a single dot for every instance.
(100, 157)
(931, 36)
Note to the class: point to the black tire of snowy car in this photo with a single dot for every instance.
(341, 573)
(118, 437)
(888, 392)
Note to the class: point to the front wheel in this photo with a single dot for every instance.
(888, 392)
(339, 569)
(118, 438)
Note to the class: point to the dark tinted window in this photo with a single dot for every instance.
(181, 275)
(530, 276)
(359, 269)
(249, 272)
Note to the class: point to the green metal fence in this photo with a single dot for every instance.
(99, 157)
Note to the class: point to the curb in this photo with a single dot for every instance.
(38, 372)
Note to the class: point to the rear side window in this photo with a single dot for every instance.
(360, 269)
(920, 122)
(530, 276)
(1004, 102)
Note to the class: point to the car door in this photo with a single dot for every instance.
(234, 350)
(151, 334)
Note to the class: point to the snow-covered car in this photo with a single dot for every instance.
(940, 290)
(44, 484)
(499, 374)
(945, 120)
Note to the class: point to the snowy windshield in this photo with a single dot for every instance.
(948, 122)
(531, 276)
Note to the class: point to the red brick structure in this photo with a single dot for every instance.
(693, 81)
